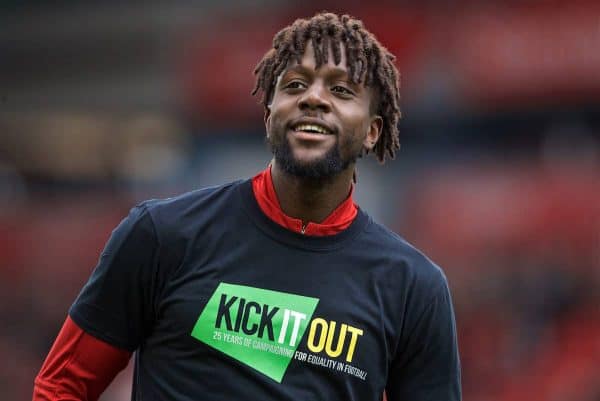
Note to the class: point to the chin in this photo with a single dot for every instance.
(315, 168)
(323, 166)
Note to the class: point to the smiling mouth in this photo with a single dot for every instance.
(312, 128)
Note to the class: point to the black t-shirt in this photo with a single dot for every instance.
(221, 303)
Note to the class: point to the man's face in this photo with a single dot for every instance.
(319, 121)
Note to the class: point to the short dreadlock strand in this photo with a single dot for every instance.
(299, 39)
(350, 51)
(359, 49)
(386, 144)
(268, 69)
(326, 35)
(370, 57)
(325, 44)
(314, 38)
(351, 48)
(260, 77)
(279, 69)
(368, 62)
(336, 44)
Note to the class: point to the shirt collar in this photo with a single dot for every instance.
(266, 197)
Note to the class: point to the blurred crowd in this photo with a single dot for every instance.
(497, 180)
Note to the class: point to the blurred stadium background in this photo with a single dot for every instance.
(103, 104)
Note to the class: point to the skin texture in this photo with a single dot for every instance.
(312, 173)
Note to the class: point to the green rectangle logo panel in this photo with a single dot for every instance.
(260, 328)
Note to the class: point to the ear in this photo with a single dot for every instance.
(267, 118)
(375, 127)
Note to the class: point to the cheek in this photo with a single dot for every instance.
(275, 124)
(353, 141)
(356, 129)
(357, 126)
(279, 110)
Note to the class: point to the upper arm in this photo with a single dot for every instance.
(117, 304)
(427, 366)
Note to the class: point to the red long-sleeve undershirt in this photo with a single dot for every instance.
(80, 366)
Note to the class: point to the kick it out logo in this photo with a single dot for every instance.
(263, 328)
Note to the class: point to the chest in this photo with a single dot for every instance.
(282, 313)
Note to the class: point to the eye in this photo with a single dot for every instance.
(295, 85)
(342, 90)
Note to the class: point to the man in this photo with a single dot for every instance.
(279, 287)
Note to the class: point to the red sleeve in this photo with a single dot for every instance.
(78, 367)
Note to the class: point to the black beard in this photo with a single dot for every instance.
(327, 167)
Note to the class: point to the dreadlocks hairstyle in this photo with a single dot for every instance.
(368, 62)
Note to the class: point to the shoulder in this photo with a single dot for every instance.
(405, 260)
(190, 204)
(187, 212)
(190, 199)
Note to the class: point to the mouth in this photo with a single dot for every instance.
(311, 127)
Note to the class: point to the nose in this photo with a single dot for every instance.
(314, 98)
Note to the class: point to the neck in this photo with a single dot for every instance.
(307, 199)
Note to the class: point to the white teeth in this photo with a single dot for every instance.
(311, 128)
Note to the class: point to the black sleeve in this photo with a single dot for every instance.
(427, 366)
(116, 304)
